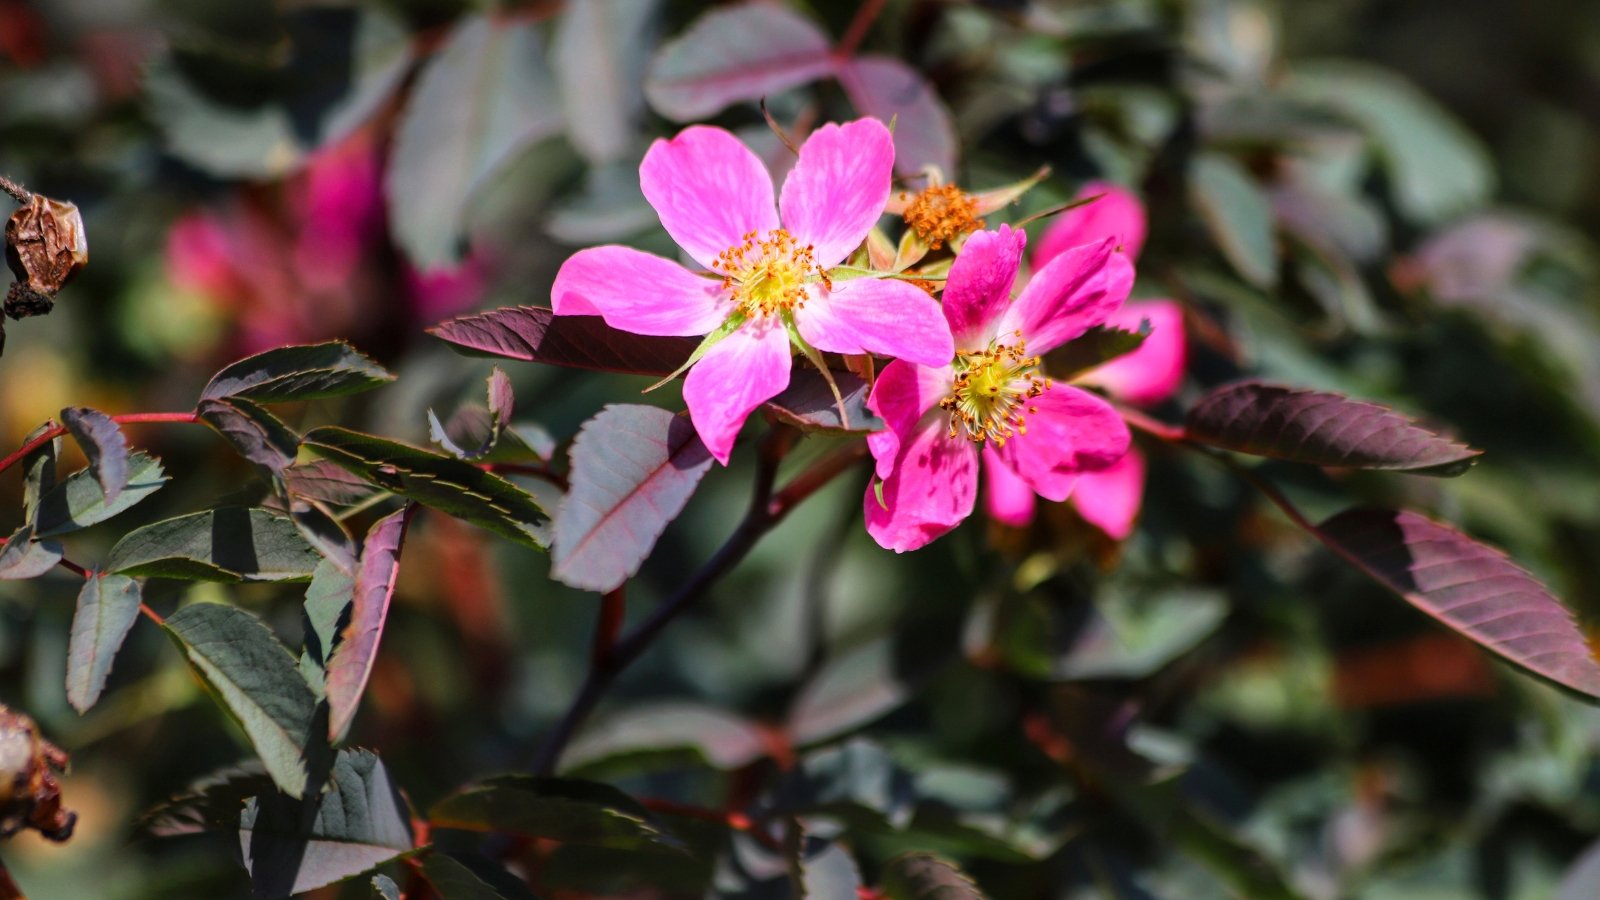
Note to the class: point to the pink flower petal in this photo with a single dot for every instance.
(1073, 431)
(1110, 498)
(1006, 497)
(738, 374)
(900, 396)
(638, 292)
(1073, 293)
(979, 285)
(933, 488)
(876, 315)
(1117, 214)
(1153, 372)
(709, 190)
(838, 188)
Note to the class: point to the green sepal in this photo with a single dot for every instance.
(723, 330)
(814, 356)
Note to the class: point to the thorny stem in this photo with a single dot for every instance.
(57, 430)
(767, 508)
(18, 192)
(856, 31)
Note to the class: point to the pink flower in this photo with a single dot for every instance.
(992, 403)
(769, 283)
(1110, 498)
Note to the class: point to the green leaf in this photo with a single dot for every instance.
(822, 870)
(107, 608)
(668, 730)
(22, 557)
(302, 372)
(324, 532)
(484, 426)
(211, 804)
(328, 599)
(923, 876)
(562, 809)
(39, 468)
(360, 822)
(229, 545)
(1121, 634)
(486, 95)
(848, 691)
(1239, 215)
(432, 479)
(852, 777)
(1095, 347)
(455, 881)
(329, 71)
(256, 681)
(256, 434)
(79, 502)
(1437, 168)
(384, 888)
(351, 663)
(103, 444)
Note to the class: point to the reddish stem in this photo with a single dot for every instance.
(56, 430)
(613, 605)
(857, 30)
(1172, 434)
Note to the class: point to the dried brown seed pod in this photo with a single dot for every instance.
(30, 796)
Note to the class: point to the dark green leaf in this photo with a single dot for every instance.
(302, 372)
(1118, 634)
(1095, 347)
(633, 469)
(211, 804)
(39, 468)
(1239, 215)
(360, 822)
(562, 809)
(78, 502)
(448, 485)
(103, 444)
(324, 532)
(808, 403)
(256, 434)
(257, 682)
(326, 610)
(229, 545)
(455, 881)
(487, 94)
(23, 557)
(351, 663)
(107, 608)
(855, 776)
(922, 876)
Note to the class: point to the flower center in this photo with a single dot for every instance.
(941, 213)
(989, 400)
(768, 274)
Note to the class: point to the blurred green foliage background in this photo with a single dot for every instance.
(1426, 176)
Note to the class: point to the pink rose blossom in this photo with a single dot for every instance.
(1110, 498)
(768, 265)
(992, 408)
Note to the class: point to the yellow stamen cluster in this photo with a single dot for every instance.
(993, 387)
(942, 213)
(768, 274)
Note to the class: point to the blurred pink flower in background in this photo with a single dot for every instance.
(310, 265)
(1108, 499)
(993, 407)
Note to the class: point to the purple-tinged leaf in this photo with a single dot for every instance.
(353, 656)
(324, 532)
(1322, 429)
(671, 731)
(326, 482)
(1239, 214)
(808, 403)
(22, 557)
(888, 89)
(358, 823)
(633, 469)
(107, 607)
(487, 95)
(454, 881)
(599, 53)
(1471, 587)
(39, 472)
(537, 334)
(485, 427)
(258, 435)
(562, 809)
(104, 445)
(736, 53)
(1095, 347)
(301, 372)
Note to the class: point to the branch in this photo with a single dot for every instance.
(57, 430)
(18, 192)
(766, 510)
(856, 31)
